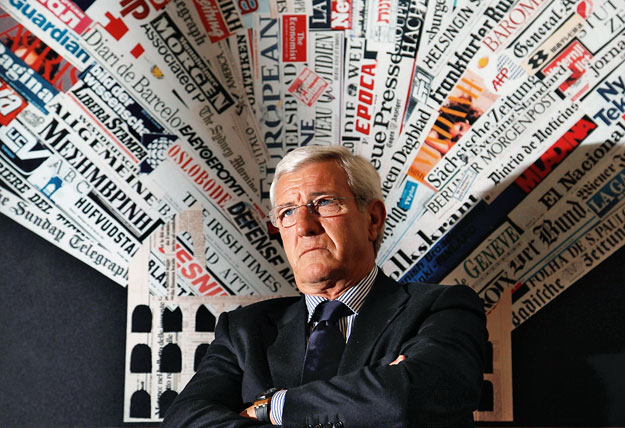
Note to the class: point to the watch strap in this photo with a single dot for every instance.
(262, 405)
(261, 409)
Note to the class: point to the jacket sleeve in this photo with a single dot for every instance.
(438, 384)
(212, 398)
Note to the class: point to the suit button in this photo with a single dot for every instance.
(318, 426)
(328, 425)
(338, 424)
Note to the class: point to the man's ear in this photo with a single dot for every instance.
(377, 215)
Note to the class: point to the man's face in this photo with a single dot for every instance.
(331, 251)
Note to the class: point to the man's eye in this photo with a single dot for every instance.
(323, 202)
(287, 212)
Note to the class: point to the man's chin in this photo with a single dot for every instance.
(316, 278)
(309, 272)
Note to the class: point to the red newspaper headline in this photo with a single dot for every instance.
(68, 13)
(11, 103)
(308, 86)
(294, 38)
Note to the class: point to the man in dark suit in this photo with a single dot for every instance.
(358, 350)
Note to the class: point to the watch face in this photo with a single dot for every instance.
(267, 394)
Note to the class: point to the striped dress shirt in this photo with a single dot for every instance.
(353, 298)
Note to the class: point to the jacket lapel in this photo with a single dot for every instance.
(286, 353)
(384, 302)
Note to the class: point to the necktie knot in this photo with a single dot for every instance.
(330, 311)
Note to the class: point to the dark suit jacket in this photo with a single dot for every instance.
(440, 329)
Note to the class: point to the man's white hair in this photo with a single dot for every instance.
(362, 177)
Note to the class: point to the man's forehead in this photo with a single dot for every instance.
(313, 179)
(309, 196)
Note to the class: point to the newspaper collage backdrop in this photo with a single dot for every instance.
(495, 125)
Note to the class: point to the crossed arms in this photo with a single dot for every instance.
(440, 331)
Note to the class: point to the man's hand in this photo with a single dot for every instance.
(398, 360)
(250, 413)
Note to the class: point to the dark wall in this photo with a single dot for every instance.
(63, 338)
(568, 360)
(62, 346)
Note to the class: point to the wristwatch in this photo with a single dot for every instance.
(262, 405)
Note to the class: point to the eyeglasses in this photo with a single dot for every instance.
(284, 216)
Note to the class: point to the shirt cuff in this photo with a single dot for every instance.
(277, 406)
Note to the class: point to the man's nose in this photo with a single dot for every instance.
(307, 222)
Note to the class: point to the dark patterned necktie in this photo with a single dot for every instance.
(326, 342)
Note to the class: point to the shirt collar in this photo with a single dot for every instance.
(353, 298)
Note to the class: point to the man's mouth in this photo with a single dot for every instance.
(308, 250)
